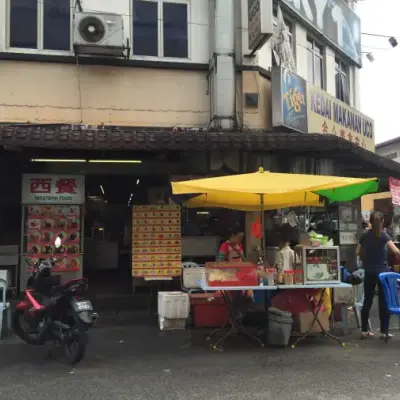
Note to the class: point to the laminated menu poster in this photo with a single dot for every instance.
(43, 224)
(156, 241)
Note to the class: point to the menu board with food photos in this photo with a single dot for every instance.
(43, 224)
(156, 241)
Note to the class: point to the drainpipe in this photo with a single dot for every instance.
(222, 64)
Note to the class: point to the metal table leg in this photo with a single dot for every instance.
(236, 319)
(316, 319)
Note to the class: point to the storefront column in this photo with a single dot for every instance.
(222, 64)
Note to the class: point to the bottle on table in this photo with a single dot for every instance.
(288, 277)
(271, 276)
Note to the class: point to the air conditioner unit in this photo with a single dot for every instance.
(100, 34)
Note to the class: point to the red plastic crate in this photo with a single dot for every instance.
(209, 310)
(245, 274)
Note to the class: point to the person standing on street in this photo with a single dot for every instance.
(373, 251)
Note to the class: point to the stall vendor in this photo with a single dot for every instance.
(232, 249)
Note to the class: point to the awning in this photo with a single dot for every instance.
(159, 139)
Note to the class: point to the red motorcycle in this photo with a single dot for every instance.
(55, 313)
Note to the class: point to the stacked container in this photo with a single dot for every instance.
(173, 310)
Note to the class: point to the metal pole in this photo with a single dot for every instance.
(263, 246)
(376, 35)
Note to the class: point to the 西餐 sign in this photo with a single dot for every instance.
(305, 108)
(326, 114)
(53, 189)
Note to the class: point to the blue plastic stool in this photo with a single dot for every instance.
(389, 281)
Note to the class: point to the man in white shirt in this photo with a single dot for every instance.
(285, 258)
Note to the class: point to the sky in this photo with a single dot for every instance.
(380, 80)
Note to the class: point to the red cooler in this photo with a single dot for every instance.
(209, 310)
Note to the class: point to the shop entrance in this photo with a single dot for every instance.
(107, 243)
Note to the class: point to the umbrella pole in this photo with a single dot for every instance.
(263, 247)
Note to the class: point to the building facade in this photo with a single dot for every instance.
(174, 84)
(187, 63)
(389, 149)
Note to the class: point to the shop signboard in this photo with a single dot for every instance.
(305, 108)
(335, 20)
(328, 115)
(289, 100)
(53, 189)
(394, 185)
(260, 22)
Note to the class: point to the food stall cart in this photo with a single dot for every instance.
(264, 190)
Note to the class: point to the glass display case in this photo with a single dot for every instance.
(231, 274)
(320, 264)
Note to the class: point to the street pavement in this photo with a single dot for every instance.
(137, 362)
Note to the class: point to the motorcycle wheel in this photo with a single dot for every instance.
(30, 338)
(75, 346)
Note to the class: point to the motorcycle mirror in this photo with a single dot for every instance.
(57, 242)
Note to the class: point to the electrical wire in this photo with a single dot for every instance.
(377, 48)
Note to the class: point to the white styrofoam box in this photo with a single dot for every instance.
(167, 324)
(173, 305)
(192, 277)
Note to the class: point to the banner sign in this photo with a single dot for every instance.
(335, 20)
(260, 22)
(327, 114)
(53, 189)
(289, 100)
(305, 108)
(394, 185)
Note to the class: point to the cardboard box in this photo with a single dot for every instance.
(302, 322)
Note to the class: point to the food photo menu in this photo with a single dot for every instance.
(156, 241)
(43, 224)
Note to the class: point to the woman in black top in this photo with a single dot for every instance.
(373, 251)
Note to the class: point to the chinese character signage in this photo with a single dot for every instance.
(305, 108)
(156, 241)
(289, 97)
(260, 22)
(394, 185)
(326, 114)
(53, 189)
(335, 20)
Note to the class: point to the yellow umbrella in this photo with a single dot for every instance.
(283, 186)
(265, 190)
(252, 202)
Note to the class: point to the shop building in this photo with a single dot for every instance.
(389, 149)
(174, 91)
(169, 64)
